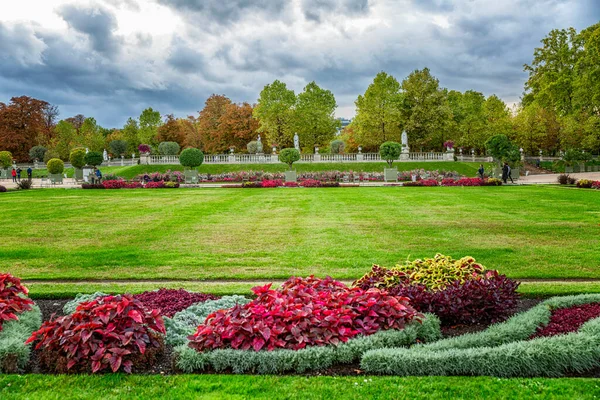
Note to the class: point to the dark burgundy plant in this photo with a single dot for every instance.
(171, 301)
(13, 300)
(303, 312)
(115, 332)
(487, 299)
(570, 319)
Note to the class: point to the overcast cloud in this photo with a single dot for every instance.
(112, 58)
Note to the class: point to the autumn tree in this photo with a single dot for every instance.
(171, 131)
(378, 118)
(91, 135)
(209, 124)
(22, 122)
(315, 121)
(191, 132)
(275, 113)
(239, 127)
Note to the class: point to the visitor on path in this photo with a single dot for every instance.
(19, 174)
(506, 173)
(14, 175)
(481, 170)
(29, 173)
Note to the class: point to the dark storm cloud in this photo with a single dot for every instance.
(316, 10)
(227, 11)
(97, 23)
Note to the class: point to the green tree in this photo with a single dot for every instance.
(468, 117)
(289, 156)
(337, 146)
(130, 135)
(65, 138)
(37, 153)
(150, 120)
(502, 149)
(118, 147)
(315, 121)
(77, 158)
(91, 135)
(275, 113)
(94, 158)
(191, 158)
(168, 148)
(378, 118)
(426, 110)
(6, 159)
(390, 151)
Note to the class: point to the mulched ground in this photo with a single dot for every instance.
(164, 366)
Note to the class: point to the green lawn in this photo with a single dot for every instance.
(24, 387)
(129, 172)
(525, 232)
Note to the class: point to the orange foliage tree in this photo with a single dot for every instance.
(171, 131)
(22, 125)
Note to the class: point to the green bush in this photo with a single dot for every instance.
(289, 156)
(168, 148)
(313, 358)
(69, 307)
(390, 151)
(118, 147)
(55, 166)
(14, 354)
(252, 147)
(337, 146)
(94, 158)
(502, 149)
(501, 350)
(191, 158)
(185, 322)
(77, 158)
(37, 153)
(50, 154)
(5, 159)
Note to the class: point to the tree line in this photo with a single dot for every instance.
(559, 111)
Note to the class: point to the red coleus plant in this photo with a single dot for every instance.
(109, 332)
(12, 300)
(303, 312)
(570, 319)
(171, 301)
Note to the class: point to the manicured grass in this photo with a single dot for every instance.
(535, 232)
(24, 387)
(129, 172)
(53, 290)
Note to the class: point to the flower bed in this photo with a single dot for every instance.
(121, 184)
(19, 317)
(112, 332)
(588, 184)
(569, 319)
(457, 291)
(170, 301)
(502, 350)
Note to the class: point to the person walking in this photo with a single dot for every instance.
(14, 175)
(19, 174)
(98, 176)
(481, 171)
(506, 173)
(29, 173)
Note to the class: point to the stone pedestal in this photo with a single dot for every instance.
(291, 176)
(449, 156)
(317, 157)
(405, 155)
(231, 159)
(360, 157)
(145, 158)
(390, 174)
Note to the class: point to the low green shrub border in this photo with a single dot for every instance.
(14, 354)
(502, 350)
(308, 359)
(184, 323)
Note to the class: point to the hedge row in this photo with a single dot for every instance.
(308, 359)
(14, 354)
(502, 350)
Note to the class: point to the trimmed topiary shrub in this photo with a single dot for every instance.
(5, 159)
(289, 156)
(168, 148)
(55, 166)
(37, 153)
(252, 147)
(94, 158)
(191, 158)
(77, 158)
(112, 332)
(390, 151)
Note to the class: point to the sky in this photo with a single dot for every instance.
(111, 59)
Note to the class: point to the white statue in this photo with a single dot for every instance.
(259, 146)
(87, 150)
(105, 155)
(404, 139)
(296, 142)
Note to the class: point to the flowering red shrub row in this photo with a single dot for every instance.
(291, 184)
(161, 185)
(565, 320)
(489, 298)
(12, 298)
(170, 301)
(455, 182)
(115, 332)
(272, 183)
(121, 184)
(596, 185)
(303, 312)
